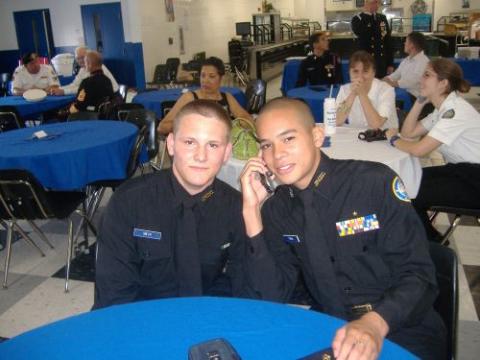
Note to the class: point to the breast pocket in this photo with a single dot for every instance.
(153, 249)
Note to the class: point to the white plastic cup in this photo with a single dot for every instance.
(329, 116)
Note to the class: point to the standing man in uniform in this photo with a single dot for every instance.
(33, 75)
(94, 89)
(176, 232)
(374, 36)
(83, 73)
(322, 67)
(348, 227)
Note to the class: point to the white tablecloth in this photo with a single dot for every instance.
(345, 145)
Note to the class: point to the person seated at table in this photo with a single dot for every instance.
(454, 130)
(94, 89)
(211, 75)
(322, 67)
(348, 227)
(366, 101)
(33, 75)
(179, 231)
(82, 74)
(407, 76)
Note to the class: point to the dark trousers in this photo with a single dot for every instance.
(455, 185)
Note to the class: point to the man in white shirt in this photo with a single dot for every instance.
(72, 88)
(407, 76)
(33, 75)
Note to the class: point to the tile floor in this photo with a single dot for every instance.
(35, 297)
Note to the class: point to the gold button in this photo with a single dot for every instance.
(373, 46)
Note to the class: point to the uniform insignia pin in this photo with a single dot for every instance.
(399, 190)
(449, 114)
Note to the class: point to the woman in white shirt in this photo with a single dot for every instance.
(454, 130)
(366, 101)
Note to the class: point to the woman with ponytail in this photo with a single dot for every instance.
(454, 130)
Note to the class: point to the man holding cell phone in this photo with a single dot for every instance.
(348, 227)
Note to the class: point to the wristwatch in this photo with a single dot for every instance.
(393, 139)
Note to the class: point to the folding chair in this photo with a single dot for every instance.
(10, 119)
(458, 212)
(256, 93)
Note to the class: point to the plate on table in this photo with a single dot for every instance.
(34, 95)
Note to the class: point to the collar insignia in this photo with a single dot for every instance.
(449, 114)
(319, 178)
(207, 195)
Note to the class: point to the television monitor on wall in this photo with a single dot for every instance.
(243, 28)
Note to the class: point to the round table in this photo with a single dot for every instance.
(315, 95)
(346, 145)
(152, 100)
(32, 109)
(74, 154)
(165, 329)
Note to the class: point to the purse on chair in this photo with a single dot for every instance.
(244, 140)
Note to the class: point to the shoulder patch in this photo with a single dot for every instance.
(449, 114)
(398, 190)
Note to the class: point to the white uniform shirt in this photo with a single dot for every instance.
(457, 126)
(83, 74)
(382, 97)
(45, 78)
(409, 73)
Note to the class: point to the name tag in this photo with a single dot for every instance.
(147, 234)
(357, 225)
(291, 239)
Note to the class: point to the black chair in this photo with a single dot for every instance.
(22, 197)
(121, 111)
(4, 80)
(10, 119)
(160, 77)
(83, 115)
(167, 106)
(458, 212)
(256, 93)
(446, 265)
(172, 68)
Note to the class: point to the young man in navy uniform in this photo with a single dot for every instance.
(374, 36)
(348, 227)
(322, 67)
(176, 232)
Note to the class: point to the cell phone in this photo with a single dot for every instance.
(216, 349)
(267, 184)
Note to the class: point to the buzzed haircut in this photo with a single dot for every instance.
(299, 106)
(206, 108)
(418, 40)
(94, 57)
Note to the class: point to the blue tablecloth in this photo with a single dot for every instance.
(79, 153)
(471, 72)
(152, 100)
(165, 329)
(29, 109)
(315, 95)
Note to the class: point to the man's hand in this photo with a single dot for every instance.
(56, 91)
(360, 339)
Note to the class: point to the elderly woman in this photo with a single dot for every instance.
(321, 67)
(211, 75)
(366, 101)
(454, 130)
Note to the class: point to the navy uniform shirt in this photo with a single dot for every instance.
(320, 70)
(374, 37)
(376, 244)
(93, 90)
(131, 268)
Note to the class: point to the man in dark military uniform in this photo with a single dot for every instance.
(322, 67)
(176, 232)
(374, 36)
(94, 89)
(348, 227)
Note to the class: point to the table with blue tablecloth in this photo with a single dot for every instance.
(471, 72)
(315, 95)
(33, 109)
(73, 155)
(165, 329)
(152, 100)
